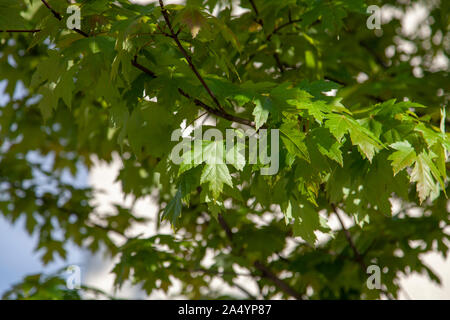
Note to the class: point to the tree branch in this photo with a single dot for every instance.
(225, 227)
(278, 61)
(358, 256)
(376, 57)
(250, 296)
(266, 272)
(348, 236)
(142, 68)
(252, 3)
(58, 16)
(261, 22)
(220, 113)
(174, 36)
(197, 102)
(91, 223)
(216, 272)
(22, 31)
(277, 281)
(258, 19)
(284, 25)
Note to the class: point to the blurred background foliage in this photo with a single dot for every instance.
(52, 124)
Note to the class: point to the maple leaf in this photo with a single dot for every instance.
(193, 18)
(403, 157)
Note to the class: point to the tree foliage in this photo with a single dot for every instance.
(132, 74)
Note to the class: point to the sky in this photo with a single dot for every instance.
(18, 258)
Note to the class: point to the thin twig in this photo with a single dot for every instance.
(22, 31)
(278, 61)
(254, 7)
(275, 54)
(220, 113)
(56, 14)
(348, 236)
(357, 254)
(250, 296)
(284, 25)
(186, 55)
(258, 19)
(193, 121)
(216, 112)
(216, 272)
(59, 17)
(135, 64)
(266, 272)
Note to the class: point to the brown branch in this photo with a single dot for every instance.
(284, 25)
(277, 281)
(193, 121)
(252, 3)
(376, 57)
(58, 16)
(22, 31)
(197, 102)
(245, 291)
(358, 256)
(278, 61)
(265, 271)
(174, 36)
(108, 229)
(348, 236)
(258, 19)
(275, 54)
(220, 113)
(216, 272)
(225, 227)
(142, 68)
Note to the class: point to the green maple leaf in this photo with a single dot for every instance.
(48, 69)
(306, 220)
(338, 126)
(317, 109)
(216, 175)
(215, 172)
(327, 145)
(261, 112)
(193, 19)
(173, 209)
(366, 144)
(65, 88)
(366, 141)
(192, 158)
(48, 102)
(10, 17)
(403, 157)
(236, 156)
(144, 123)
(293, 139)
(422, 175)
